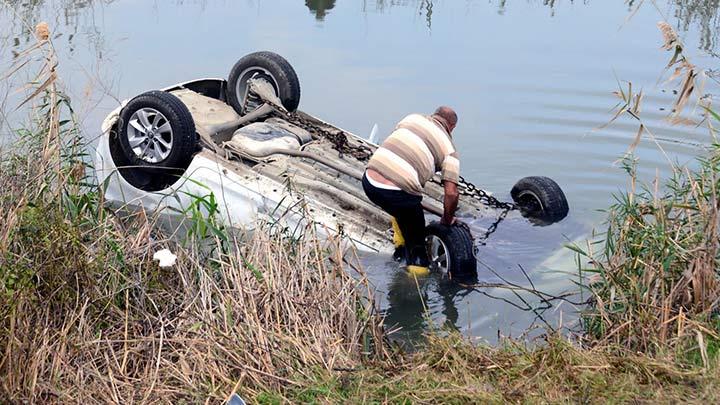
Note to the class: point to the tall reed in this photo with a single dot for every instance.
(656, 284)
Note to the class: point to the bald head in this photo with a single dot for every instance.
(448, 116)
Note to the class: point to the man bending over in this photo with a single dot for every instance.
(419, 147)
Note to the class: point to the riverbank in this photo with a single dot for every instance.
(87, 314)
(451, 370)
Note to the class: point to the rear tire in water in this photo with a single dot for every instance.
(540, 198)
(273, 68)
(155, 140)
(451, 250)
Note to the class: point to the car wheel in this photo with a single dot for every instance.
(155, 140)
(540, 198)
(269, 66)
(451, 250)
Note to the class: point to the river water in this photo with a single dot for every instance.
(532, 82)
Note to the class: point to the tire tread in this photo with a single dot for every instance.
(554, 202)
(460, 244)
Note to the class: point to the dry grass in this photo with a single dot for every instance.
(452, 370)
(106, 323)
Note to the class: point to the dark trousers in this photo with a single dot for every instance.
(407, 210)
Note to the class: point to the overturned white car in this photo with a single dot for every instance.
(244, 141)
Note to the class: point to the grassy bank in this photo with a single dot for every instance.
(87, 315)
(450, 370)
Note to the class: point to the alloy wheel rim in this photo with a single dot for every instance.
(150, 135)
(437, 254)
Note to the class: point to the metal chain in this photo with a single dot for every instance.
(339, 139)
(469, 189)
(482, 240)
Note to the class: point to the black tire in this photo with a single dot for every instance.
(461, 262)
(269, 64)
(161, 172)
(540, 198)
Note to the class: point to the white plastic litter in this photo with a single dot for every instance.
(165, 257)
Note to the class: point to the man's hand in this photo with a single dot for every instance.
(450, 203)
(448, 221)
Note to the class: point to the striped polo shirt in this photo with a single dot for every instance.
(417, 149)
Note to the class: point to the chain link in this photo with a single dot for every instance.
(338, 138)
(469, 189)
(482, 240)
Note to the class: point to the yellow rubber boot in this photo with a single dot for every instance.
(399, 242)
(418, 271)
(398, 239)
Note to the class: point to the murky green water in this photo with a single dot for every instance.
(531, 81)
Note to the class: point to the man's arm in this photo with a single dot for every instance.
(450, 203)
(450, 178)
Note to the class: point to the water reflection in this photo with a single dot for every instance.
(413, 302)
(451, 293)
(424, 7)
(407, 301)
(320, 7)
(502, 6)
(703, 13)
(67, 17)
